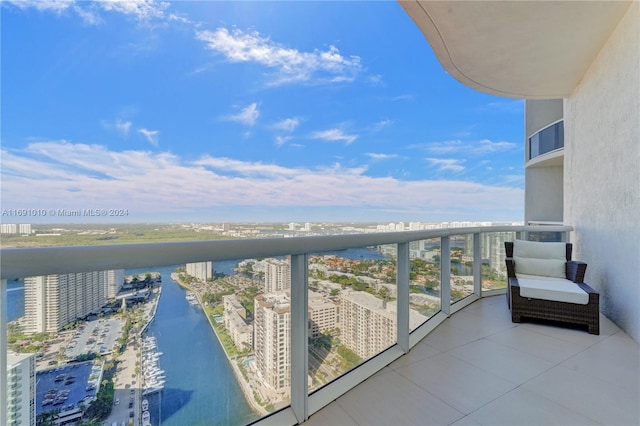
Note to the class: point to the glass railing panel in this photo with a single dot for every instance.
(352, 309)
(494, 271)
(545, 236)
(158, 348)
(461, 266)
(424, 281)
(546, 140)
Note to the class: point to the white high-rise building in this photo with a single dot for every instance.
(369, 325)
(24, 228)
(21, 389)
(235, 321)
(272, 340)
(53, 301)
(114, 279)
(200, 270)
(8, 228)
(324, 314)
(277, 275)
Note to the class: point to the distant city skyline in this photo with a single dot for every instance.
(229, 112)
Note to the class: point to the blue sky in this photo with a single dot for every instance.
(246, 111)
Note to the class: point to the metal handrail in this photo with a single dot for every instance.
(24, 262)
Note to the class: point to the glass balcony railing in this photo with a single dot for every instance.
(297, 321)
(546, 140)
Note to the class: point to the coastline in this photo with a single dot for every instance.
(246, 390)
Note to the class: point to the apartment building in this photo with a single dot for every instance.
(369, 325)
(272, 340)
(200, 270)
(114, 279)
(277, 275)
(53, 301)
(21, 389)
(324, 314)
(235, 321)
(8, 228)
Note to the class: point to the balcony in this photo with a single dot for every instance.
(464, 362)
(478, 367)
(546, 146)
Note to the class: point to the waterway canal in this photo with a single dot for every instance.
(200, 387)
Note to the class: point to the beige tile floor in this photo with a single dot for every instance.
(479, 368)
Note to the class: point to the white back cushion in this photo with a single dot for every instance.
(543, 267)
(544, 259)
(539, 250)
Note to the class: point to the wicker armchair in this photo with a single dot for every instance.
(553, 310)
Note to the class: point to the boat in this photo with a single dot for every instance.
(145, 407)
(146, 417)
(192, 299)
(149, 391)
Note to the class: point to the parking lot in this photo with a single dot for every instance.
(97, 336)
(65, 388)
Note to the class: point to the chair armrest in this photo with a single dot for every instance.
(576, 270)
(587, 289)
(511, 267)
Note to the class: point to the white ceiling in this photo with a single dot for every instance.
(522, 49)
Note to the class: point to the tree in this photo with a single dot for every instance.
(384, 293)
(334, 292)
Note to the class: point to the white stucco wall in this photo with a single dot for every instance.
(543, 199)
(602, 173)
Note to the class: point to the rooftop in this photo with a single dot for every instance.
(478, 367)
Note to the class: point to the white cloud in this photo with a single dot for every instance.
(56, 6)
(291, 65)
(482, 147)
(120, 126)
(334, 135)
(405, 97)
(141, 10)
(60, 174)
(486, 146)
(151, 135)
(123, 126)
(247, 116)
(381, 125)
(378, 157)
(447, 164)
(281, 140)
(288, 124)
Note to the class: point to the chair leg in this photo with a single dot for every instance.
(514, 317)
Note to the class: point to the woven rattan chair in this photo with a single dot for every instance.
(552, 310)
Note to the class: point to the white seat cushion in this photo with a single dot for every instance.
(551, 288)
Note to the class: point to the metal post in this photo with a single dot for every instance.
(477, 266)
(402, 288)
(445, 275)
(299, 337)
